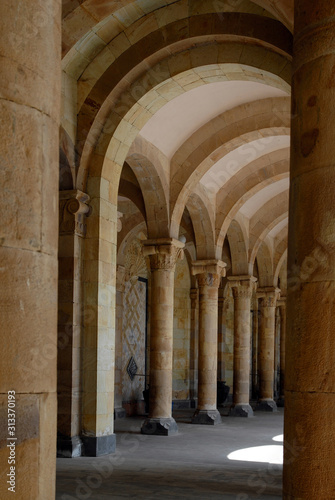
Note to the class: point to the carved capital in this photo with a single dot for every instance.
(163, 253)
(73, 210)
(209, 272)
(268, 296)
(242, 286)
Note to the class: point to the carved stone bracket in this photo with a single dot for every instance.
(164, 253)
(268, 296)
(73, 210)
(209, 272)
(242, 286)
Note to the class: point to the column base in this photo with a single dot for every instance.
(281, 402)
(96, 446)
(119, 413)
(206, 417)
(266, 405)
(159, 427)
(241, 410)
(69, 447)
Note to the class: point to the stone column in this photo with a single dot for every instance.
(310, 350)
(73, 210)
(163, 254)
(30, 70)
(194, 348)
(255, 350)
(282, 310)
(268, 300)
(221, 360)
(119, 411)
(243, 288)
(209, 275)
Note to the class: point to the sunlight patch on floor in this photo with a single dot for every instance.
(272, 454)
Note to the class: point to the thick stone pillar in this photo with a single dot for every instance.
(243, 288)
(119, 411)
(268, 300)
(310, 347)
(209, 275)
(30, 70)
(163, 254)
(73, 210)
(282, 312)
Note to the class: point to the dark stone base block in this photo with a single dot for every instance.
(68, 447)
(96, 446)
(266, 405)
(119, 413)
(206, 417)
(242, 410)
(159, 427)
(281, 402)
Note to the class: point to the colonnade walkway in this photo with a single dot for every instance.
(237, 460)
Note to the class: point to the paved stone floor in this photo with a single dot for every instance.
(191, 465)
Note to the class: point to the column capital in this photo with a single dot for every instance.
(242, 286)
(209, 272)
(268, 296)
(164, 253)
(73, 210)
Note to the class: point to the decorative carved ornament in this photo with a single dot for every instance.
(209, 272)
(242, 286)
(268, 296)
(163, 253)
(73, 210)
(134, 261)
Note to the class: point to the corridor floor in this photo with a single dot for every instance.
(191, 465)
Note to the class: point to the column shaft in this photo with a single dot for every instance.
(282, 309)
(310, 353)
(163, 258)
(208, 281)
(242, 292)
(267, 350)
(30, 68)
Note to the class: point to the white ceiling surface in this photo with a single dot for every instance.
(256, 202)
(279, 227)
(234, 161)
(180, 118)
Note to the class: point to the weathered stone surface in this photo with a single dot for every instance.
(206, 417)
(159, 426)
